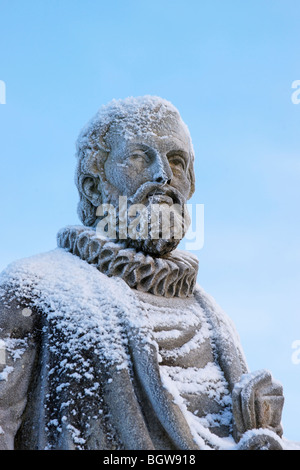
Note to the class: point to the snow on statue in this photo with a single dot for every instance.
(109, 341)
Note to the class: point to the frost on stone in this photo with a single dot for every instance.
(15, 347)
(5, 373)
(209, 382)
(83, 329)
(89, 319)
(133, 117)
(11, 349)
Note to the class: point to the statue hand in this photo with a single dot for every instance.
(260, 440)
(257, 402)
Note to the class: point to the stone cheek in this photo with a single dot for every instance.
(187, 364)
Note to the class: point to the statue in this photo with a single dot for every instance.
(107, 341)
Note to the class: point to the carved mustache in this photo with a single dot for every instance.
(151, 190)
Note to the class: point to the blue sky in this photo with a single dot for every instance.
(228, 66)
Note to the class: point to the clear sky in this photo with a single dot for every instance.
(228, 66)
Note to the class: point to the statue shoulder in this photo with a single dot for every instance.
(17, 314)
(215, 313)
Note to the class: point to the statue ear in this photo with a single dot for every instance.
(90, 188)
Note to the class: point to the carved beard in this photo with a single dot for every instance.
(165, 214)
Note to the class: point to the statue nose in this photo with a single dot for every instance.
(163, 174)
(163, 180)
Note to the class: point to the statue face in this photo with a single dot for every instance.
(155, 163)
(152, 169)
(149, 165)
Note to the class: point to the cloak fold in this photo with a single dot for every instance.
(90, 376)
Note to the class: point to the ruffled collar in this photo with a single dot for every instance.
(173, 275)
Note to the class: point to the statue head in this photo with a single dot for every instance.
(139, 148)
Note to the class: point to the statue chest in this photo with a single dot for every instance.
(187, 364)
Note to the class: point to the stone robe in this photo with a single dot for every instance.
(90, 363)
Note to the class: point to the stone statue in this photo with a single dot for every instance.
(107, 341)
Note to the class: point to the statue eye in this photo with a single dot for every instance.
(140, 156)
(177, 161)
(135, 156)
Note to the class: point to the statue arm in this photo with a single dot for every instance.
(257, 400)
(17, 354)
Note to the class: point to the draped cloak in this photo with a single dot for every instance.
(82, 368)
